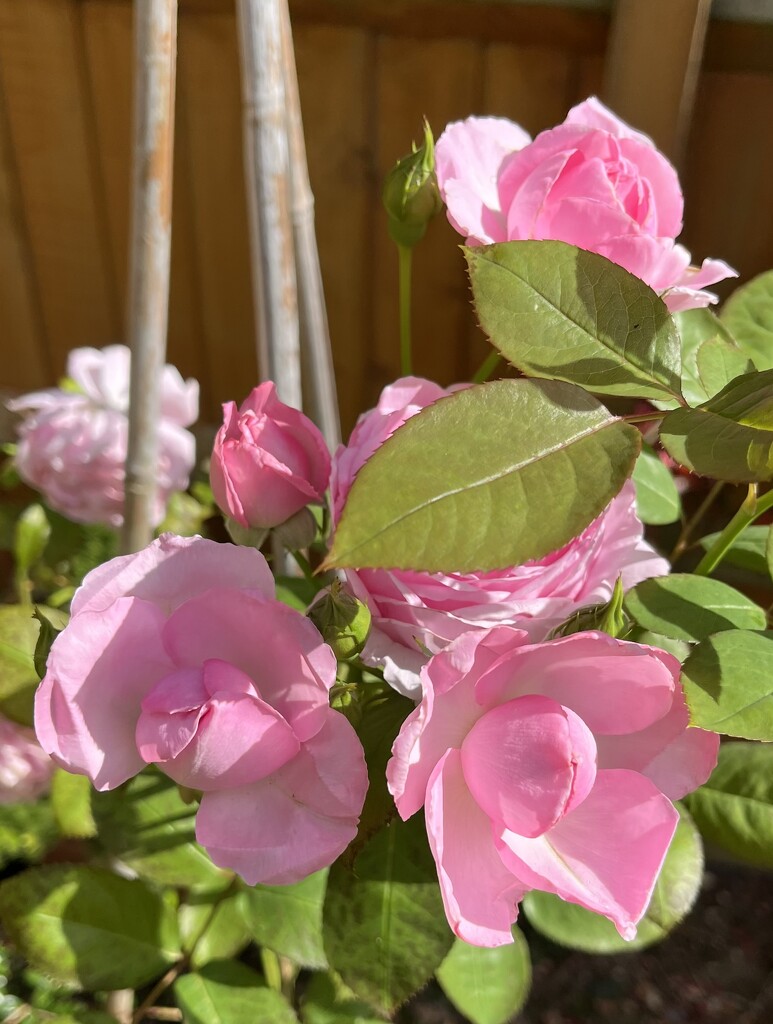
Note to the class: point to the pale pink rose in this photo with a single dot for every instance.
(25, 769)
(417, 613)
(547, 766)
(72, 445)
(269, 461)
(180, 656)
(592, 181)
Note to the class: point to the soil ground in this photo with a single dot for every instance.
(715, 968)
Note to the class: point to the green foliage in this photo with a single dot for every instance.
(678, 648)
(31, 536)
(710, 356)
(89, 928)
(675, 893)
(734, 809)
(657, 499)
(730, 437)
(748, 313)
(728, 683)
(691, 607)
(51, 622)
(607, 617)
(288, 918)
(326, 1000)
(213, 926)
(71, 805)
(488, 986)
(18, 678)
(227, 992)
(147, 824)
(385, 931)
(748, 551)
(422, 501)
(27, 831)
(557, 311)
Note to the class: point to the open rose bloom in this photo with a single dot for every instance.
(592, 181)
(72, 444)
(25, 769)
(180, 656)
(416, 614)
(548, 766)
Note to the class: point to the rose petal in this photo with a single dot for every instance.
(99, 670)
(480, 895)
(606, 855)
(521, 759)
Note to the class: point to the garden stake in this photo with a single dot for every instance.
(155, 45)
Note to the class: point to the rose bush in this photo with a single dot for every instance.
(269, 461)
(73, 443)
(416, 614)
(548, 766)
(25, 769)
(592, 181)
(179, 656)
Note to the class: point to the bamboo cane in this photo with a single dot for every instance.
(155, 46)
(319, 380)
(267, 170)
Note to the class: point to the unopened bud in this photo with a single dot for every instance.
(411, 196)
(608, 617)
(343, 621)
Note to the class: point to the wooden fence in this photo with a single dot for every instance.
(369, 71)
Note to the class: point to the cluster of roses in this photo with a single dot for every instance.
(540, 764)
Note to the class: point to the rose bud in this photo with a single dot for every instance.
(343, 621)
(269, 461)
(410, 195)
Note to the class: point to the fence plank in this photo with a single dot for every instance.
(443, 81)
(52, 133)
(334, 68)
(209, 93)
(25, 363)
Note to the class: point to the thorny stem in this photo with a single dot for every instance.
(177, 969)
(751, 508)
(487, 367)
(405, 258)
(692, 523)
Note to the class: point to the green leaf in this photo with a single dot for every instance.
(51, 622)
(209, 934)
(384, 926)
(288, 918)
(769, 550)
(491, 476)
(227, 992)
(657, 499)
(86, 927)
(328, 1001)
(560, 312)
(488, 986)
(734, 809)
(747, 551)
(690, 607)
(710, 356)
(71, 804)
(678, 648)
(730, 437)
(146, 823)
(18, 678)
(296, 591)
(748, 313)
(27, 831)
(728, 683)
(377, 729)
(675, 893)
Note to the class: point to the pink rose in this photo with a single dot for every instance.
(73, 444)
(179, 656)
(269, 461)
(25, 770)
(592, 181)
(417, 613)
(547, 766)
